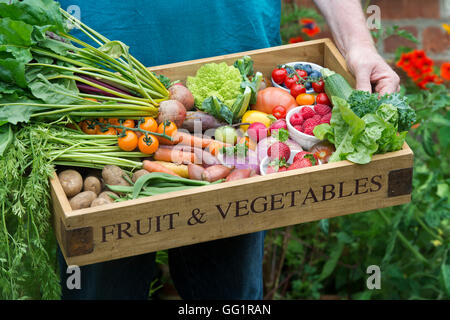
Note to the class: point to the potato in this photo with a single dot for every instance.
(71, 181)
(82, 200)
(138, 174)
(99, 202)
(106, 195)
(182, 94)
(92, 183)
(113, 175)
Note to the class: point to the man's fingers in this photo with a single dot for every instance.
(363, 79)
(388, 85)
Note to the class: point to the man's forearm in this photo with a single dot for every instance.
(347, 23)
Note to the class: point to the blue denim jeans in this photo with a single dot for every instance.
(228, 268)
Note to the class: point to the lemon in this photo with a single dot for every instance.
(255, 116)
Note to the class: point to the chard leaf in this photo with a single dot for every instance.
(114, 49)
(58, 92)
(34, 13)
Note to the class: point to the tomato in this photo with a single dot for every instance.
(148, 144)
(149, 124)
(322, 98)
(290, 80)
(279, 112)
(269, 98)
(127, 124)
(129, 142)
(305, 99)
(113, 121)
(297, 89)
(170, 130)
(278, 75)
(89, 127)
(107, 131)
(318, 86)
(302, 74)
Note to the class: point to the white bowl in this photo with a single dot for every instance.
(303, 139)
(314, 66)
(265, 162)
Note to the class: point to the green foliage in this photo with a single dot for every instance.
(410, 242)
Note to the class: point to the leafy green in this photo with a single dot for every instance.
(217, 87)
(362, 102)
(6, 137)
(357, 139)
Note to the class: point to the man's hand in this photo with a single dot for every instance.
(369, 68)
(348, 25)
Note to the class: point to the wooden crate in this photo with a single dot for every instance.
(224, 210)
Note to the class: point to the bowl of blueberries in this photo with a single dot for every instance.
(312, 74)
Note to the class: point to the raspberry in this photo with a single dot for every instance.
(317, 118)
(311, 122)
(307, 113)
(299, 128)
(309, 130)
(326, 118)
(296, 119)
(322, 109)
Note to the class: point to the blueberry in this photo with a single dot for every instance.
(308, 68)
(299, 66)
(289, 71)
(308, 85)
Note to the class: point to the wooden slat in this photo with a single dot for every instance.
(265, 60)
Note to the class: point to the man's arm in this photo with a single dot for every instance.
(348, 26)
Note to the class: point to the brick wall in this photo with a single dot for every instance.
(423, 18)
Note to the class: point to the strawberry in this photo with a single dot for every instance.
(279, 150)
(307, 113)
(296, 119)
(282, 169)
(322, 109)
(300, 155)
(326, 118)
(270, 169)
(300, 164)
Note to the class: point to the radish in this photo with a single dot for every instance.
(257, 131)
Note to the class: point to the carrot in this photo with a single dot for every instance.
(172, 154)
(180, 169)
(196, 141)
(216, 172)
(156, 167)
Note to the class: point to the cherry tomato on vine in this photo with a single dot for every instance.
(318, 86)
(279, 112)
(297, 89)
(322, 98)
(88, 127)
(107, 131)
(278, 75)
(148, 144)
(305, 99)
(170, 130)
(129, 123)
(149, 124)
(302, 73)
(290, 80)
(114, 121)
(128, 142)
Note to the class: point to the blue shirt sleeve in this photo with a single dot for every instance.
(167, 31)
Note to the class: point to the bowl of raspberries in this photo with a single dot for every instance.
(302, 120)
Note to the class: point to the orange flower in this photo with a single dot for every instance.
(296, 39)
(429, 78)
(445, 70)
(310, 27)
